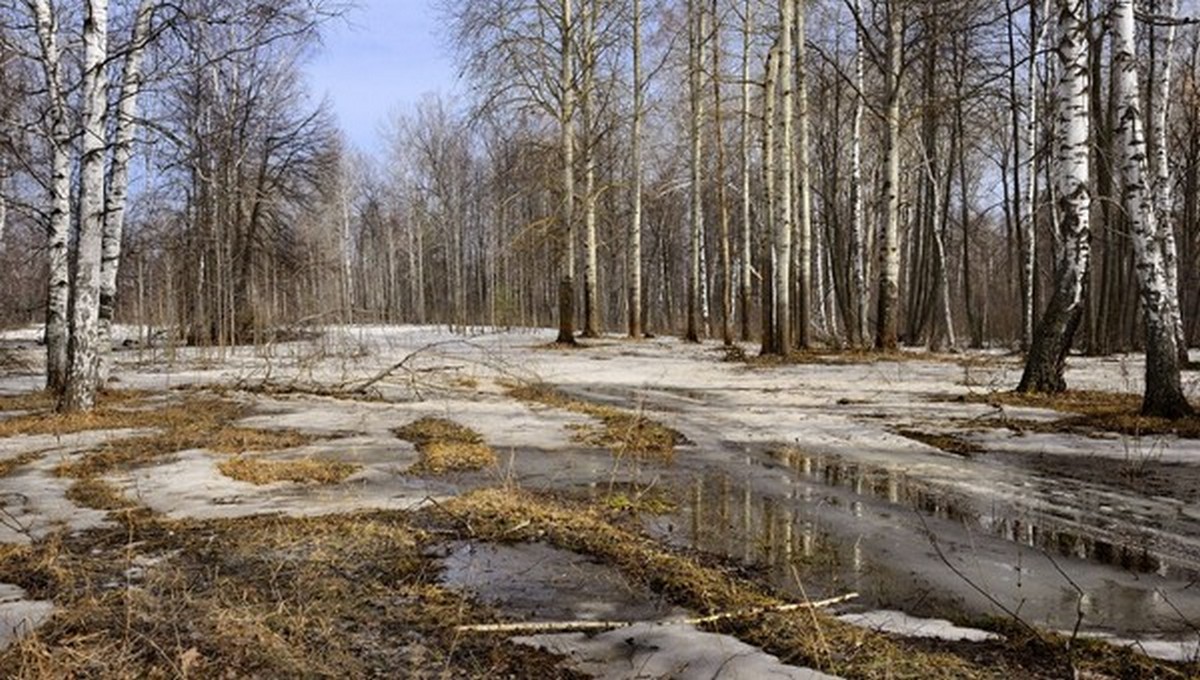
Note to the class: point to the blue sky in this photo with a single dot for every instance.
(384, 56)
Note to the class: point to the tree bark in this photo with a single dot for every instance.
(118, 182)
(566, 265)
(83, 362)
(858, 237)
(784, 158)
(746, 281)
(634, 257)
(696, 195)
(58, 286)
(804, 232)
(887, 329)
(722, 204)
(1158, 140)
(591, 294)
(1164, 396)
(1045, 362)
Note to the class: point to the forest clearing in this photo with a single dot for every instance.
(623, 481)
(600, 339)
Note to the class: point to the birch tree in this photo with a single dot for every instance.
(804, 231)
(781, 267)
(1162, 58)
(59, 227)
(858, 236)
(1045, 362)
(633, 262)
(118, 181)
(83, 363)
(746, 275)
(696, 31)
(887, 325)
(1164, 396)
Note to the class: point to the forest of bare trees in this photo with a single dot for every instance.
(811, 173)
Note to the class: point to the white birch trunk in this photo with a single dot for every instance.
(118, 183)
(696, 196)
(83, 362)
(746, 272)
(591, 295)
(634, 261)
(1163, 189)
(566, 285)
(1164, 395)
(58, 285)
(1028, 220)
(1045, 362)
(887, 331)
(3, 200)
(858, 240)
(770, 120)
(783, 225)
(804, 227)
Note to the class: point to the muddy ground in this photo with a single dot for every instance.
(978, 536)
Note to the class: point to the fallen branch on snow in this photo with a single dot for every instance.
(580, 626)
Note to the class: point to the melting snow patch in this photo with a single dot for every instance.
(19, 616)
(680, 651)
(899, 623)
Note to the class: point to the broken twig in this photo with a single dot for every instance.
(580, 626)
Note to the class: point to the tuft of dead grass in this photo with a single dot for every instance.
(304, 471)
(340, 596)
(1092, 411)
(11, 465)
(98, 494)
(950, 443)
(194, 423)
(446, 446)
(622, 432)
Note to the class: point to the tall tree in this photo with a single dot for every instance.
(1163, 394)
(83, 361)
(858, 236)
(118, 182)
(888, 322)
(633, 261)
(696, 40)
(1045, 362)
(804, 230)
(746, 275)
(781, 265)
(59, 227)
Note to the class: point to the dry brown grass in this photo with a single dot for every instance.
(11, 465)
(344, 596)
(98, 494)
(1093, 411)
(623, 432)
(950, 443)
(43, 400)
(446, 446)
(194, 423)
(304, 471)
(192, 412)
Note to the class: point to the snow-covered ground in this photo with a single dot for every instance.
(912, 528)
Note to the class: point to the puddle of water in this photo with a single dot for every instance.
(851, 526)
(534, 581)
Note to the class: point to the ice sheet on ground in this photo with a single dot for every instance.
(899, 623)
(18, 615)
(677, 651)
(534, 581)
